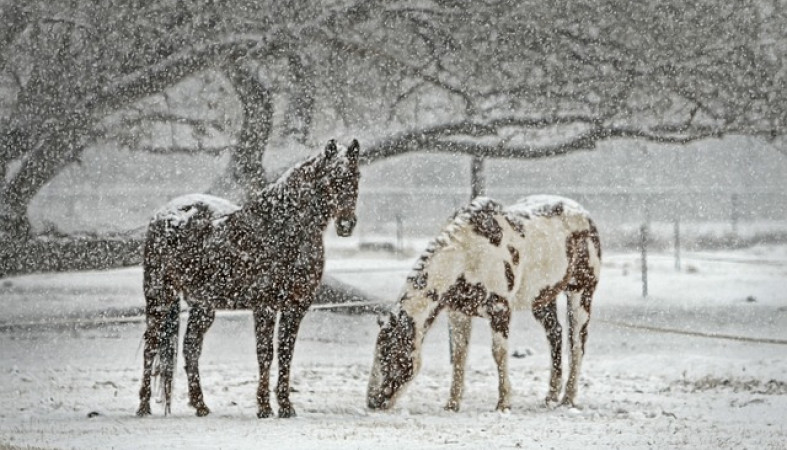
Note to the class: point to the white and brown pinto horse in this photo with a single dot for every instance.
(489, 261)
(266, 256)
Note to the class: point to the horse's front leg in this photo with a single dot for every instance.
(459, 326)
(500, 317)
(264, 323)
(200, 319)
(289, 323)
(500, 352)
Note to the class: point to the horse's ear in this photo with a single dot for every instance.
(330, 149)
(407, 324)
(354, 149)
(385, 318)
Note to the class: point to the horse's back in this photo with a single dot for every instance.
(548, 206)
(553, 232)
(184, 219)
(550, 216)
(180, 210)
(176, 233)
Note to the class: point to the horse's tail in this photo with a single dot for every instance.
(168, 352)
(594, 238)
(164, 303)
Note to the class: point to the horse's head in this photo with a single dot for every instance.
(342, 175)
(394, 361)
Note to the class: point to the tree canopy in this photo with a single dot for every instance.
(496, 78)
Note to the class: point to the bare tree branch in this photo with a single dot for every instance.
(179, 66)
(14, 19)
(464, 137)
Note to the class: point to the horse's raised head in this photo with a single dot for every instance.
(394, 360)
(342, 175)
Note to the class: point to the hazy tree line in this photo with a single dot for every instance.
(523, 79)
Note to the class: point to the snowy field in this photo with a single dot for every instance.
(643, 383)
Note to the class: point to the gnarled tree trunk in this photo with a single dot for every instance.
(246, 167)
(55, 147)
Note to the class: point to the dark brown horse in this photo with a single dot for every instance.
(266, 256)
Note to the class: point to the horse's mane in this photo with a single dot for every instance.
(461, 218)
(284, 190)
(291, 178)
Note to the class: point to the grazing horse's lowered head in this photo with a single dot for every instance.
(394, 360)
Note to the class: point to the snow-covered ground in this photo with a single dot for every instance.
(642, 385)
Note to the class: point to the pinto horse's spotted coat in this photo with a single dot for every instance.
(266, 256)
(489, 261)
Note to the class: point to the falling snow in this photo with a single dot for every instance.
(666, 121)
(639, 387)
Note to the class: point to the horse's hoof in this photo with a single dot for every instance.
(265, 413)
(287, 413)
(452, 406)
(202, 409)
(144, 410)
(550, 400)
(503, 408)
(568, 401)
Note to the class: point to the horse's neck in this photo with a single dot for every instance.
(436, 270)
(318, 208)
(289, 205)
(422, 308)
(309, 196)
(438, 267)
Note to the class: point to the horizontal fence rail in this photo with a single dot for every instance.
(101, 321)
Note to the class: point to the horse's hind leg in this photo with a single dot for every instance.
(459, 326)
(200, 319)
(580, 295)
(264, 324)
(159, 301)
(547, 315)
(578, 318)
(149, 354)
(168, 352)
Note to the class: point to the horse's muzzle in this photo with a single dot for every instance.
(345, 227)
(377, 402)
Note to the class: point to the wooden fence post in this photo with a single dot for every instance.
(643, 243)
(399, 235)
(734, 200)
(677, 243)
(477, 182)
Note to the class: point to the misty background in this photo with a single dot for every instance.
(665, 119)
(716, 188)
(661, 113)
